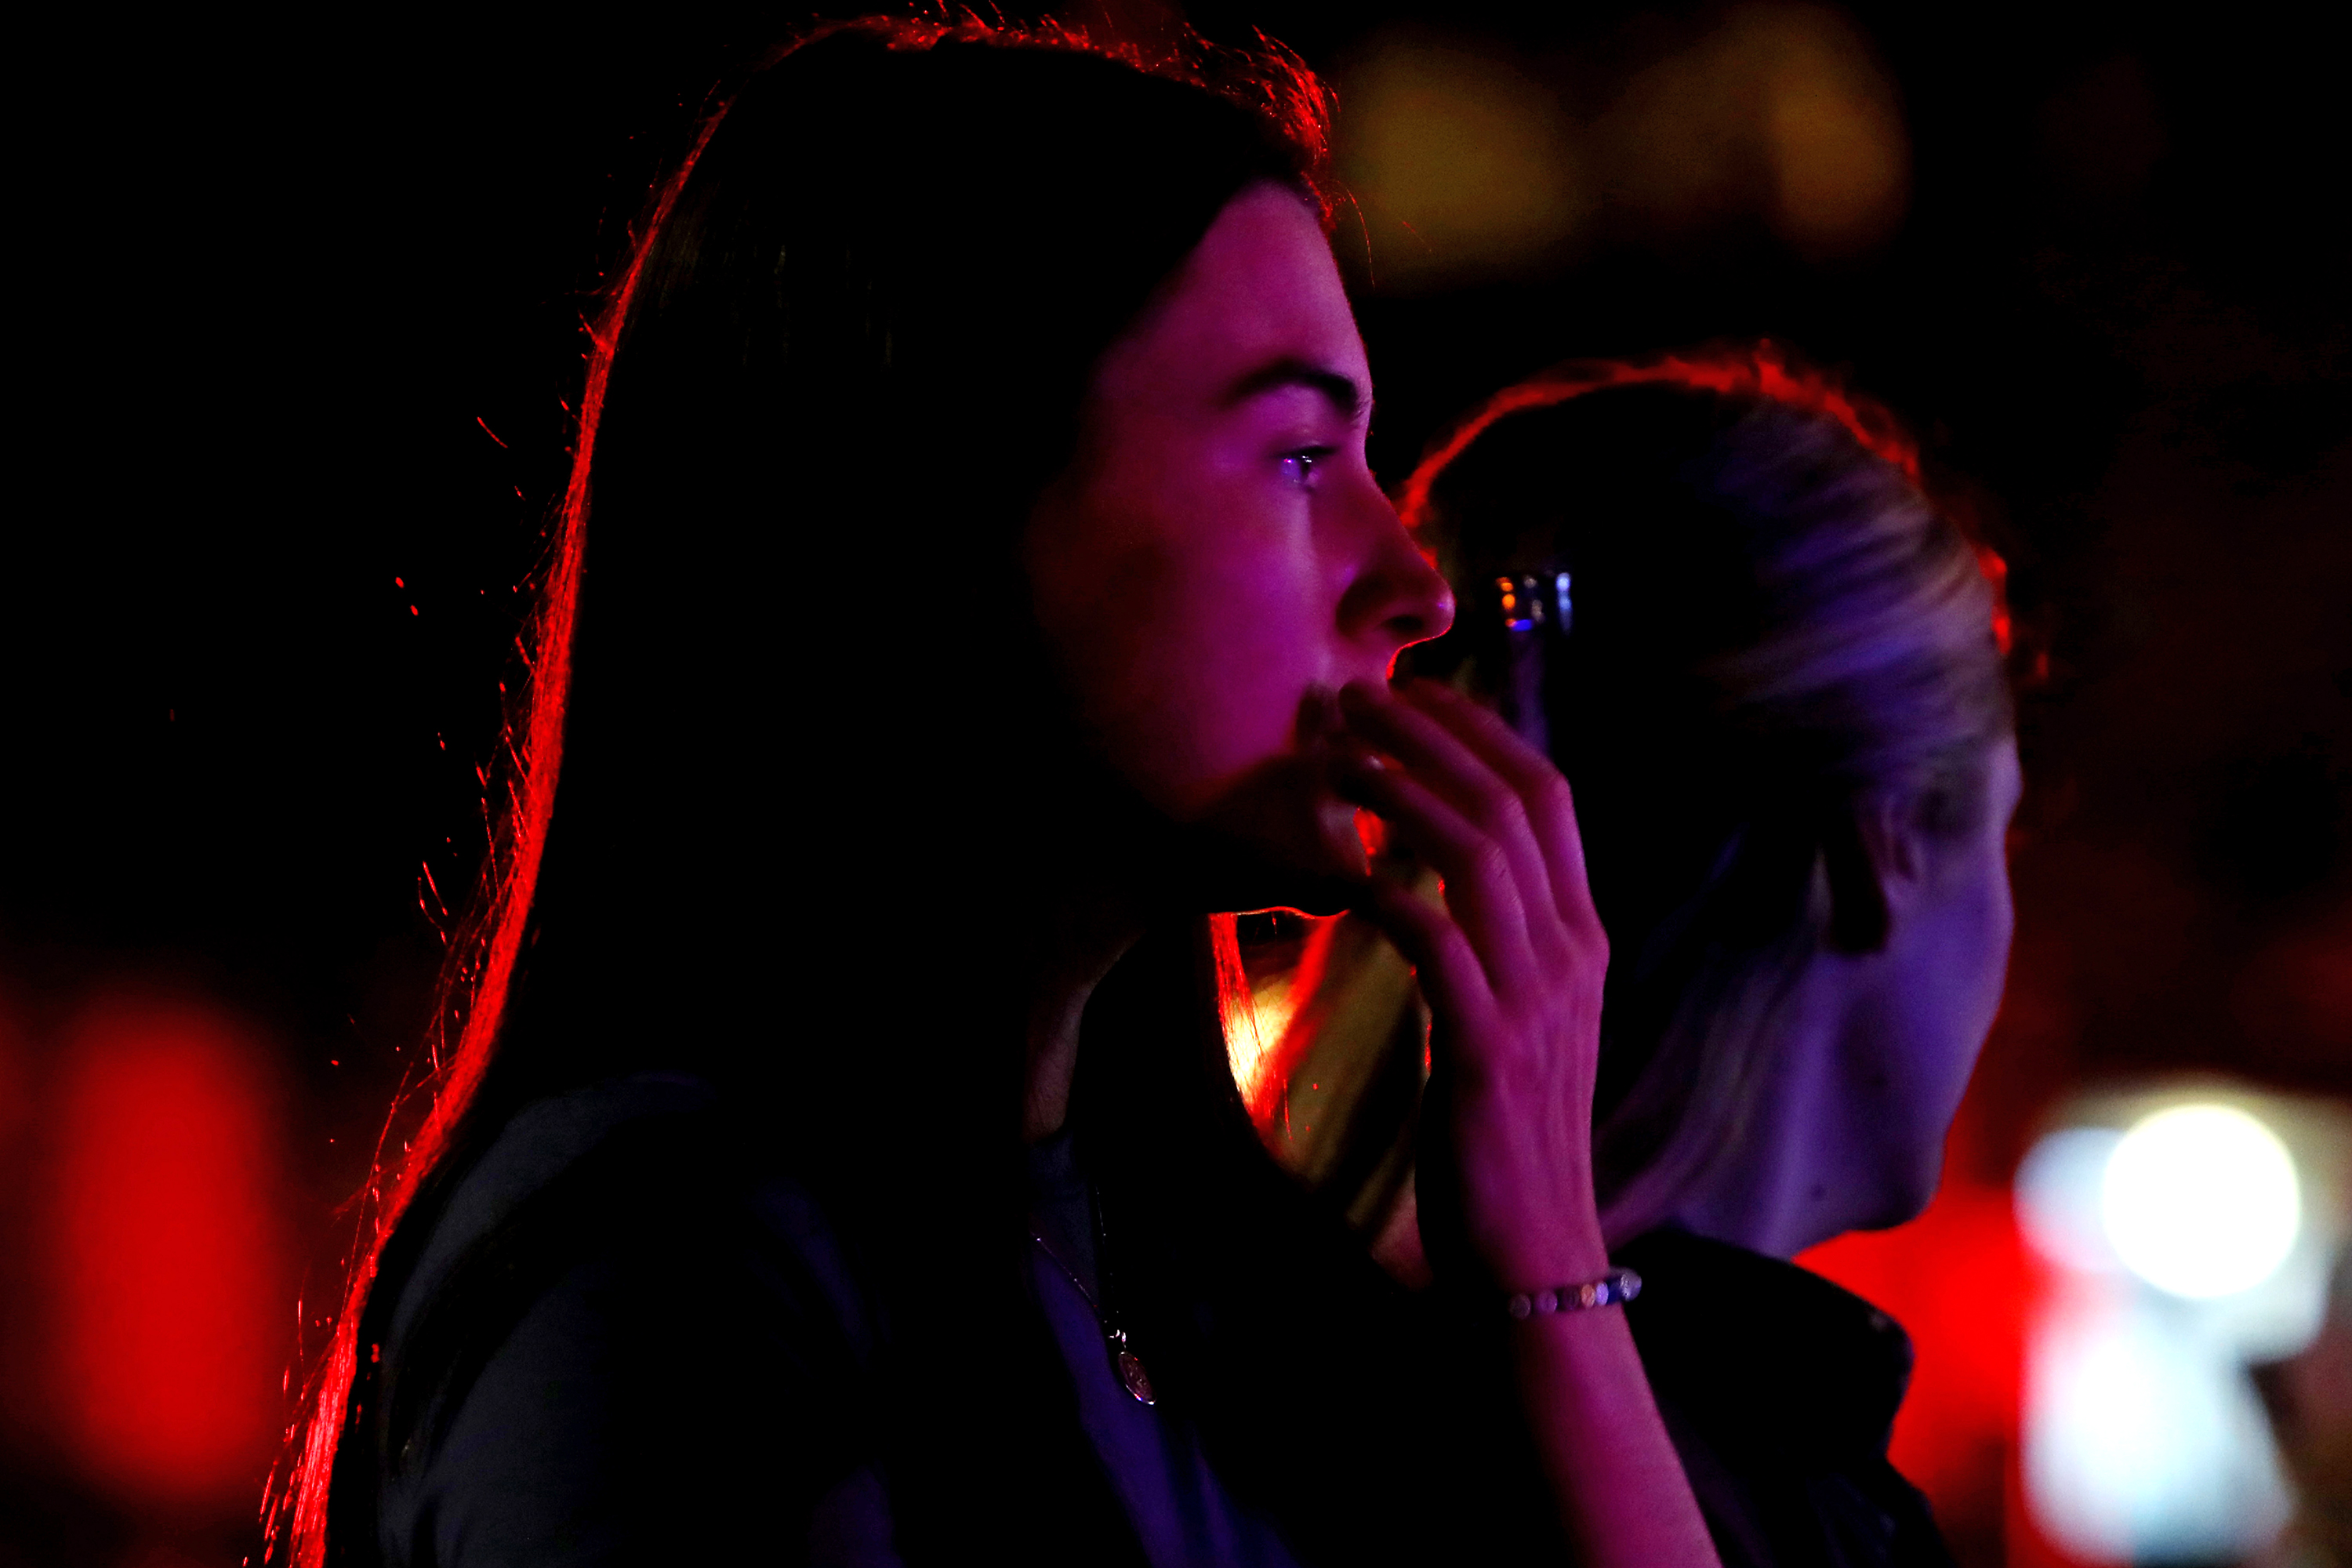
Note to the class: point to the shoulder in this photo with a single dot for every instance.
(644, 1167)
(617, 1308)
(1779, 1390)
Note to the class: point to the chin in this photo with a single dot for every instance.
(1228, 876)
(1905, 1194)
(1280, 839)
(1302, 895)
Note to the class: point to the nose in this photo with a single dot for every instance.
(1395, 597)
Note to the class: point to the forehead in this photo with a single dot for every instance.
(1259, 288)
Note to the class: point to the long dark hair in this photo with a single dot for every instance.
(789, 674)
(1733, 610)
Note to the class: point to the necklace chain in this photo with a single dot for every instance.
(1125, 1364)
(1072, 1275)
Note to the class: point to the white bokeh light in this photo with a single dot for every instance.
(2200, 1201)
(2058, 1198)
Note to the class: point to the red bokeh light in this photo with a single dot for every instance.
(168, 1322)
(1957, 1279)
(1962, 1280)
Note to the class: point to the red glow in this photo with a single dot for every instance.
(1996, 572)
(1959, 1279)
(165, 1257)
(15, 1098)
(1759, 371)
(1962, 1280)
(1265, 1087)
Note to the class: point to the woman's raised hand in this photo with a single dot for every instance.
(1512, 971)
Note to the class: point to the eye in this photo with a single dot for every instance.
(1299, 465)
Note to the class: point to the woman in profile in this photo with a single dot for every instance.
(1712, 589)
(971, 583)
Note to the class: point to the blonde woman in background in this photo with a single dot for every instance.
(1714, 591)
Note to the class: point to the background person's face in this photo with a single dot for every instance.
(1218, 551)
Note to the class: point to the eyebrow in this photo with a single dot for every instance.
(1341, 392)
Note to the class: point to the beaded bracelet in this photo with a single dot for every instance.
(1612, 1289)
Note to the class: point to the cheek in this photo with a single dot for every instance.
(1187, 637)
(1978, 961)
(1999, 927)
(1955, 977)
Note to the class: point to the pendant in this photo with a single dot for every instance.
(1129, 1367)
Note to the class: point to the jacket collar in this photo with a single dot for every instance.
(1758, 1353)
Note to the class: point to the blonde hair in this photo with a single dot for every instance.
(1770, 622)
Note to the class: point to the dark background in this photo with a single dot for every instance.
(297, 326)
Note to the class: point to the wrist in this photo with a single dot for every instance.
(1613, 1289)
(1553, 1258)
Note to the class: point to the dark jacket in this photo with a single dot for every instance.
(618, 1335)
(1779, 1391)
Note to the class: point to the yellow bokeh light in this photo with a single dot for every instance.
(1841, 162)
(1463, 167)
(1780, 110)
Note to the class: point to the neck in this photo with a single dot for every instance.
(1086, 931)
(1788, 1182)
